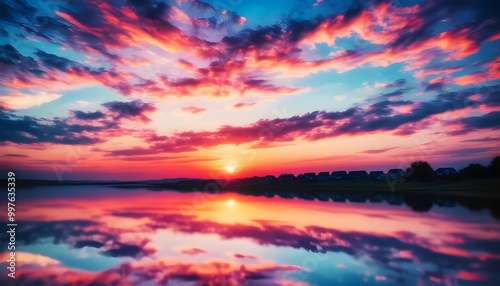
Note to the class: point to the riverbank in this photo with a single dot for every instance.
(469, 188)
(481, 188)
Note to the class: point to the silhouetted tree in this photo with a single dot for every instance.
(419, 203)
(420, 171)
(474, 171)
(473, 204)
(494, 167)
(495, 211)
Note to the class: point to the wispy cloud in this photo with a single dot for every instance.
(378, 151)
(193, 109)
(244, 104)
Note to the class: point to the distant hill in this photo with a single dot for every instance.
(168, 181)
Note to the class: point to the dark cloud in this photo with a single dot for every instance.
(15, 155)
(485, 25)
(397, 83)
(203, 6)
(88, 115)
(48, 27)
(464, 152)
(477, 244)
(79, 234)
(437, 86)
(259, 38)
(148, 158)
(488, 120)
(14, 64)
(186, 82)
(132, 152)
(232, 18)
(395, 93)
(31, 130)
(88, 243)
(132, 109)
(59, 231)
(211, 22)
(297, 29)
(128, 250)
(151, 9)
(261, 85)
(378, 151)
(485, 139)
(385, 107)
(48, 69)
(19, 9)
(52, 61)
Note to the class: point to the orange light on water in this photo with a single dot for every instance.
(230, 202)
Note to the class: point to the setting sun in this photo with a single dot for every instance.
(230, 168)
(230, 202)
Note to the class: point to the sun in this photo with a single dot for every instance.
(230, 202)
(230, 168)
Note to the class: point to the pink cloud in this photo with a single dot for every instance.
(193, 109)
(244, 104)
(243, 256)
(192, 251)
(317, 3)
(380, 278)
(180, 16)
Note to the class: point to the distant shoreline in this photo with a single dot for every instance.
(468, 187)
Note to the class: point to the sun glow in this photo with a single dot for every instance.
(230, 168)
(230, 202)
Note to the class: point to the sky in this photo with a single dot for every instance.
(115, 90)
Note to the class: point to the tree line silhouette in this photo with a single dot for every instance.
(422, 171)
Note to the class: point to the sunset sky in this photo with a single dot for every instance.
(157, 89)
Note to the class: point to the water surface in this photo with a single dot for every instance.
(107, 236)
